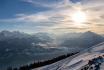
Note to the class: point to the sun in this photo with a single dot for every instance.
(79, 17)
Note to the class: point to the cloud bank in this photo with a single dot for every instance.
(58, 17)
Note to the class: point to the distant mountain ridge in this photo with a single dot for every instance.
(83, 40)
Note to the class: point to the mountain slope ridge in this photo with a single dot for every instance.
(79, 60)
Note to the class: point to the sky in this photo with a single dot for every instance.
(54, 16)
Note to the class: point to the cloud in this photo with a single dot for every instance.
(50, 3)
(70, 28)
(101, 25)
(53, 16)
(57, 12)
(58, 17)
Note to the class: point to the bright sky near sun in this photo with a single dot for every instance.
(79, 17)
(52, 15)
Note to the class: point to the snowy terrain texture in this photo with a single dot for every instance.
(89, 59)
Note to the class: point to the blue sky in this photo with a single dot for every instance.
(9, 8)
(47, 15)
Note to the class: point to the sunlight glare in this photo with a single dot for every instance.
(79, 17)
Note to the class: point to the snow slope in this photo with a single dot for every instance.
(77, 61)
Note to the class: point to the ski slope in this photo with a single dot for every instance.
(79, 60)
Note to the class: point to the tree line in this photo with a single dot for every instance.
(39, 64)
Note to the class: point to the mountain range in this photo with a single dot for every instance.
(18, 48)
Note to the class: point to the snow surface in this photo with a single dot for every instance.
(77, 61)
(102, 66)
